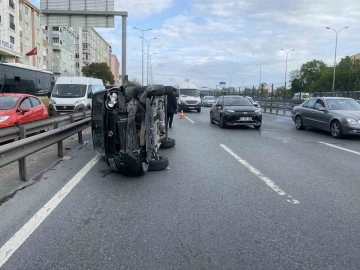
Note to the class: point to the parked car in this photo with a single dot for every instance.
(340, 116)
(208, 101)
(235, 111)
(20, 108)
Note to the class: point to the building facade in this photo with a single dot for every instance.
(356, 57)
(90, 47)
(61, 50)
(32, 35)
(9, 31)
(115, 68)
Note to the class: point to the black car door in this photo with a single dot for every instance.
(217, 109)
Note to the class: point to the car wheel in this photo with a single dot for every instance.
(299, 123)
(158, 164)
(257, 126)
(335, 129)
(169, 143)
(198, 110)
(211, 119)
(222, 123)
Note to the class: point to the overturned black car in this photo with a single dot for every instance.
(128, 127)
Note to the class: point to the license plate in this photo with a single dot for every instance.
(245, 118)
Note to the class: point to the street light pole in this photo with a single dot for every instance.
(148, 49)
(287, 55)
(142, 53)
(336, 33)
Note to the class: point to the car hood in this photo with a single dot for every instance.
(241, 108)
(186, 98)
(6, 112)
(352, 114)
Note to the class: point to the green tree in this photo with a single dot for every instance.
(310, 73)
(100, 71)
(279, 92)
(296, 86)
(134, 82)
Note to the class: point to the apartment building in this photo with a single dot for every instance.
(9, 31)
(32, 35)
(61, 50)
(356, 56)
(90, 47)
(115, 68)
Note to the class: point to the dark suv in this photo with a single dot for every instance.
(128, 127)
(235, 111)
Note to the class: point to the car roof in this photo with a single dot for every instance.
(331, 98)
(232, 96)
(19, 95)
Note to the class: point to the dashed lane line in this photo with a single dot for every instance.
(191, 121)
(261, 176)
(341, 148)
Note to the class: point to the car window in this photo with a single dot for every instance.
(305, 103)
(8, 103)
(219, 102)
(311, 104)
(25, 104)
(319, 104)
(35, 102)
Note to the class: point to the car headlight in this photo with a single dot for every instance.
(113, 100)
(351, 121)
(182, 102)
(230, 111)
(4, 118)
(258, 111)
(80, 102)
(52, 101)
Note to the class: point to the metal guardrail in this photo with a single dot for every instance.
(270, 108)
(20, 149)
(14, 132)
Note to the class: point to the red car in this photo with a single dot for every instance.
(20, 108)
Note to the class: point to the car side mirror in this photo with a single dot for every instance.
(256, 105)
(25, 110)
(90, 95)
(49, 94)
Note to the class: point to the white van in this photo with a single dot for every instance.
(189, 97)
(73, 94)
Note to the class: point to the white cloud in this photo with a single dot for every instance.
(143, 8)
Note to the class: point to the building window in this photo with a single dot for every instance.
(38, 33)
(26, 10)
(27, 42)
(77, 65)
(76, 55)
(12, 4)
(55, 40)
(12, 40)
(27, 26)
(11, 22)
(37, 17)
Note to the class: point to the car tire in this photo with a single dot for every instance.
(169, 143)
(257, 126)
(198, 110)
(335, 129)
(158, 164)
(211, 119)
(299, 123)
(222, 124)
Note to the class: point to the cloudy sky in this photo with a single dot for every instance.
(207, 40)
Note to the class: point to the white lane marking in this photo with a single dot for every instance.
(20, 236)
(189, 120)
(341, 148)
(261, 176)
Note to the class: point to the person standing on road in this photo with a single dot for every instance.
(171, 107)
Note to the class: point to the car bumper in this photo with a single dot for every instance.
(59, 109)
(351, 130)
(189, 107)
(208, 104)
(234, 119)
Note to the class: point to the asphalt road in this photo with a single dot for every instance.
(234, 198)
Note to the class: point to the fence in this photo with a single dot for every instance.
(22, 147)
(276, 92)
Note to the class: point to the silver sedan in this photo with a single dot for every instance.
(340, 116)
